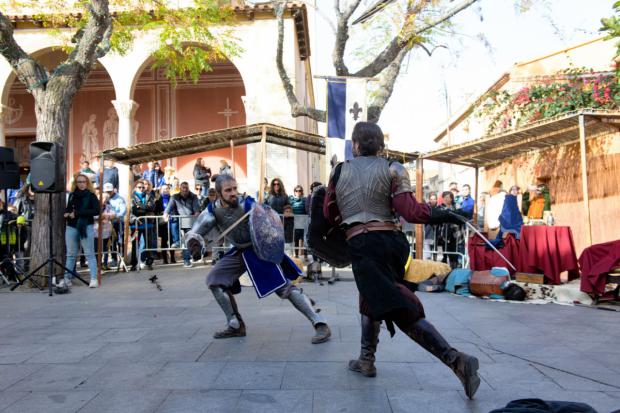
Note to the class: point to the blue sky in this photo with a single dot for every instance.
(418, 107)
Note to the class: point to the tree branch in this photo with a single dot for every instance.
(386, 86)
(89, 41)
(297, 109)
(342, 36)
(404, 39)
(30, 72)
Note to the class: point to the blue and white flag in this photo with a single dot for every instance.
(346, 105)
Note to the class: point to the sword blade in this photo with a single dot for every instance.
(486, 240)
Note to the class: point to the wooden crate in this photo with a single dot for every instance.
(527, 277)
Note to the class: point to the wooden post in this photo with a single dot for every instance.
(584, 178)
(100, 221)
(263, 164)
(476, 197)
(419, 193)
(232, 158)
(126, 219)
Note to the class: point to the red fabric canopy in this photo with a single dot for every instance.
(596, 261)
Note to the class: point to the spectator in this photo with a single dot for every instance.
(430, 231)
(169, 174)
(298, 203)
(106, 230)
(8, 233)
(198, 192)
(175, 188)
(449, 234)
(110, 174)
(202, 174)
(86, 170)
(536, 200)
(210, 199)
(456, 198)
(516, 191)
(309, 197)
(142, 204)
(225, 168)
(165, 228)
(117, 212)
(23, 245)
(288, 220)
(24, 202)
(277, 197)
(154, 175)
(12, 193)
(494, 208)
(184, 203)
(467, 202)
(136, 171)
(82, 207)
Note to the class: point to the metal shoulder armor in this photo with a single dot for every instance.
(400, 176)
(204, 223)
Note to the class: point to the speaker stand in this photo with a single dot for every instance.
(50, 260)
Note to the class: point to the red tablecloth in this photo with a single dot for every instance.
(548, 250)
(481, 258)
(596, 261)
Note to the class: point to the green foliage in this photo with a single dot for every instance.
(611, 25)
(189, 39)
(570, 90)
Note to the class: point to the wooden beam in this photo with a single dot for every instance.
(584, 178)
(476, 197)
(232, 158)
(419, 194)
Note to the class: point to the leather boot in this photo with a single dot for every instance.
(365, 364)
(463, 365)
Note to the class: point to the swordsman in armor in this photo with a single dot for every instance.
(362, 197)
(250, 239)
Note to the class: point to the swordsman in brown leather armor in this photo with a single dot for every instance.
(362, 197)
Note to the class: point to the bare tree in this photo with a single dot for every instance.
(420, 17)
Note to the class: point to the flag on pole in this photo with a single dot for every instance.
(346, 105)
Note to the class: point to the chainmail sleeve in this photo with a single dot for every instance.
(400, 179)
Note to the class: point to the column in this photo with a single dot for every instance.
(125, 110)
(3, 111)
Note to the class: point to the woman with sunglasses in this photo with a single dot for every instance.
(82, 207)
(277, 197)
(143, 204)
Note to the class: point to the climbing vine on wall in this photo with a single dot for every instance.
(567, 91)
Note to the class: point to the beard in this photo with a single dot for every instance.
(233, 202)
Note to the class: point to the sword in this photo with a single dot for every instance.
(485, 239)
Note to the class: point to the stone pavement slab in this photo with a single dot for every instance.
(127, 347)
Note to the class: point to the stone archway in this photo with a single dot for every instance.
(214, 102)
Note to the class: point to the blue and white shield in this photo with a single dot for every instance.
(267, 233)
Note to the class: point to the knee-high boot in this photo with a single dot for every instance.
(463, 365)
(234, 323)
(365, 364)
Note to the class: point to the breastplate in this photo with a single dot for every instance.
(225, 217)
(364, 190)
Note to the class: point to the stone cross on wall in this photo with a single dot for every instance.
(228, 112)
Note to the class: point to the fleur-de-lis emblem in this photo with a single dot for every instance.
(355, 110)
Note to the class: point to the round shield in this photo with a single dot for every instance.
(267, 234)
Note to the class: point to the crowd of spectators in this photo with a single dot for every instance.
(155, 193)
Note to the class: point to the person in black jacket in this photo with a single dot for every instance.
(110, 174)
(82, 207)
(202, 174)
(164, 228)
(142, 204)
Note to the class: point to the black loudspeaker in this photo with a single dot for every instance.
(9, 170)
(46, 169)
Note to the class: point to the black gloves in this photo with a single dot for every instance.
(195, 248)
(445, 216)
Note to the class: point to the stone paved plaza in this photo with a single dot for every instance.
(128, 347)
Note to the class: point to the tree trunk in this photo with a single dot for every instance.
(52, 114)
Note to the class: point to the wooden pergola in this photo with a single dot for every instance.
(563, 129)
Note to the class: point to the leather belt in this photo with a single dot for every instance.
(369, 227)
